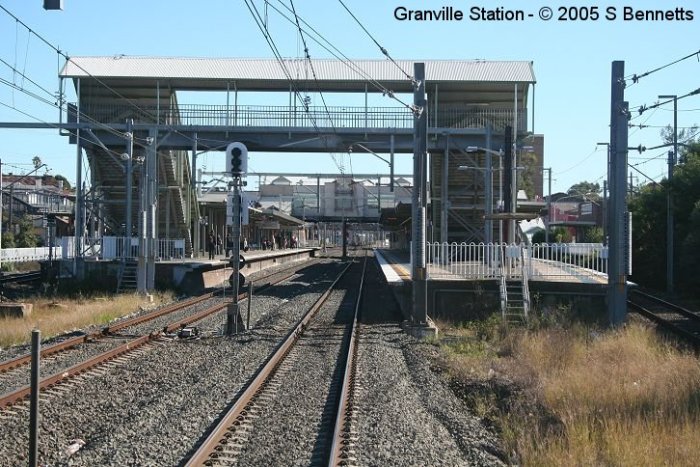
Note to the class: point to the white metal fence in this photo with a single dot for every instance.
(103, 248)
(126, 247)
(492, 260)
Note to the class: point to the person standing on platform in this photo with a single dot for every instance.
(211, 245)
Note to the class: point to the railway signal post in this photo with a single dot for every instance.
(236, 165)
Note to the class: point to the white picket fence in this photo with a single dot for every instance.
(492, 260)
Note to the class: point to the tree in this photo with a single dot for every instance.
(561, 235)
(648, 208)
(66, 183)
(591, 234)
(585, 189)
(530, 171)
(36, 160)
(26, 237)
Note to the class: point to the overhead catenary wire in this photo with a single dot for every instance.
(60, 53)
(315, 77)
(24, 76)
(43, 100)
(57, 127)
(381, 48)
(278, 56)
(635, 78)
(597, 149)
(643, 108)
(338, 54)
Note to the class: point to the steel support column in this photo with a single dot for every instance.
(129, 175)
(488, 192)
(418, 267)
(194, 220)
(617, 277)
(152, 206)
(444, 192)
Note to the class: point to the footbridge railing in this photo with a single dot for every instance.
(313, 116)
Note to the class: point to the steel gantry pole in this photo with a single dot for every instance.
(672, 158)
(418, 266)
(617, 271)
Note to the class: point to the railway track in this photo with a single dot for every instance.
(11, 367)
(318, 355)
(20, 278)
(674, 318)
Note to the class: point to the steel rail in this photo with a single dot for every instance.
(21, 393)
(66, 344)
(21, 277)
(18, 395)
(341, 434)
(675, 308)
(219, 435)
(664, 323)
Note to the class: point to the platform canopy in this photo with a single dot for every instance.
(452, 77)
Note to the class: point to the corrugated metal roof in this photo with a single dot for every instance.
(230, 69)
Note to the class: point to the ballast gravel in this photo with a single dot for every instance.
(151, 410)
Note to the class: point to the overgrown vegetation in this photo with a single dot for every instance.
(58, 317)
(649, 206)
(565, 393)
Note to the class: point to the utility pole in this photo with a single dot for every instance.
(672, 157)
(419, 202)
(617, 267)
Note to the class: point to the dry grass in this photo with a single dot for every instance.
(54, 318)
(620, 398)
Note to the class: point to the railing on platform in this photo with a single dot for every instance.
(129, 248)
(316, 116)
(496, 260)
(107, 248)
(25, 255)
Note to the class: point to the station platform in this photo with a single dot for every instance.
(467, 296)
(195, 275)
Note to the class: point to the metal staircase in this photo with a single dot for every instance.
(515, 296)
(128, 277)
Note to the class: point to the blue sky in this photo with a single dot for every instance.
(572, 62)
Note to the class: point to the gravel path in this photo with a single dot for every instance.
(152, 410)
